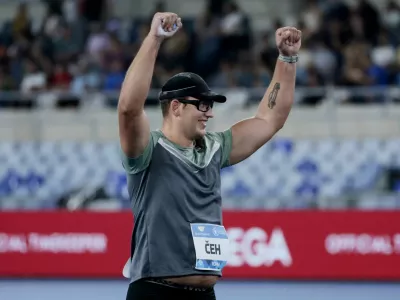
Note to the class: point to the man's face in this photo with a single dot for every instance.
(192, 120)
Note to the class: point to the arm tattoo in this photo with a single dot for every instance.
(273, 94)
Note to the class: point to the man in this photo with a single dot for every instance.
(179, 246)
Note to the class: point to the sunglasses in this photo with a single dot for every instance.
(202, 105)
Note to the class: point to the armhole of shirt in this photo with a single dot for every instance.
(140, 163)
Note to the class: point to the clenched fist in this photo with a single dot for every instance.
(288, 41)
(165, 25)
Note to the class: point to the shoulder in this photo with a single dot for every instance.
(155, 135)
(134, 165)
(218, 137)
(220, 140)
(212, 139)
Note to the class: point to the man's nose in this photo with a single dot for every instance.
(209, 113)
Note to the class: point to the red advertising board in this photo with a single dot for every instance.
(64, 244)
(340, 245)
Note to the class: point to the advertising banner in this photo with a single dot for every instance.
(337, 245)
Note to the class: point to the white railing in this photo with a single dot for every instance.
(95, 120)
(330, 93)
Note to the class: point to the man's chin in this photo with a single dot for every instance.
(201, 132)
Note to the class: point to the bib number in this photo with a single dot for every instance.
(211, 244)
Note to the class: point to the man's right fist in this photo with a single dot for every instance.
(165, 25)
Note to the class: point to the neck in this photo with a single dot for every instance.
(175, 135)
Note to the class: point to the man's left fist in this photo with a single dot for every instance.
(288, 41)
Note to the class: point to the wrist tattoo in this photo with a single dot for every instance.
(272, 96)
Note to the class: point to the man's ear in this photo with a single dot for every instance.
(175, 108)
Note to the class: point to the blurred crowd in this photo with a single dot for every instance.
(78, 48)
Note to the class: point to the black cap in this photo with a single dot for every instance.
(188, 84)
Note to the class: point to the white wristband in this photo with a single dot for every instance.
(289, 59)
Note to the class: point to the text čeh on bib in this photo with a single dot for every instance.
(211, 244)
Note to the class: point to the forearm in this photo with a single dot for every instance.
(136, 85)
(278, 98)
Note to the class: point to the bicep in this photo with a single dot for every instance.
(248, 136)
(134, 133)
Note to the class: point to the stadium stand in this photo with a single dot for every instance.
(74, 49)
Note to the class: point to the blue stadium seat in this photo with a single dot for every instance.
(282, 173)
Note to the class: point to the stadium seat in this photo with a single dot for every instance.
(296, 172)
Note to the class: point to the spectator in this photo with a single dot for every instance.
(208, 43)
(6, 81)
(65, 48)
(233, 29)
(61, 78)
(231, 23)
(370, 20)
(313, 79)
(20, 47)
(70, 11)
(356, 68)
(267, 52)
(262, 75)
(3, 57)
(114, 77)
(115, 52)
(312, 16)
(98, 42)
(39, 56)
(391, 17)
(357, 26)
(335, 10)
(356, 64)
(21, 23)
(34, 80)
(335, 35)
(245, 72)
(86, 79)
(215, 7)
(342, 45)
(94, 10)
(384, 54)
(324, 60)
(176, 50)
(54, 7)
(224, 78)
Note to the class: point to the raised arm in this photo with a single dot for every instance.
(134, 128)
(250, 134)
